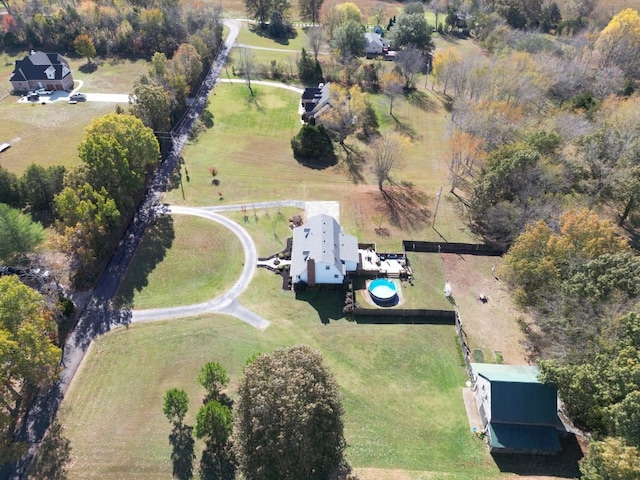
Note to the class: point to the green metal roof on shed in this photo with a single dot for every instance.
(529, 438)
(517, 396)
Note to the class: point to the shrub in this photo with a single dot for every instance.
(312, 142)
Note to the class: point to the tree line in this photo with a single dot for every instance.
(544, 153)
(128, 29)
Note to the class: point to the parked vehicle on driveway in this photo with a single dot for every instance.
(78, 97)
(43, 91)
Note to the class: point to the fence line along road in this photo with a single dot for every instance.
(97, 317)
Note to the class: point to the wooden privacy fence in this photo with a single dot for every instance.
(449, 247)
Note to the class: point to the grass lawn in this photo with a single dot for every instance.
(269, 227)
(182, 260)
(50, 134)
(251, 141)
(127, 372)
(251, 34)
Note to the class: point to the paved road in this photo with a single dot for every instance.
(97, 318)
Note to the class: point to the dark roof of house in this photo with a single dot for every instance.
(34, 67)
(315, 99)
(310, 93)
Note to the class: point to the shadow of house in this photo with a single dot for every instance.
(519, 414)
(326, 301)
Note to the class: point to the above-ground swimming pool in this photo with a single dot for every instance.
(383, 291)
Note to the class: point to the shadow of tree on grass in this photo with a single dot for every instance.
(54, 455)
(264, 33)
(217, 462)
(406, 207)
(183, 451)
(157, 240)
(88, 67)
(353, 164)
(421, 100)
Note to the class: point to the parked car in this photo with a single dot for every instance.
(78, 97)
(43, 91)
(33, 97)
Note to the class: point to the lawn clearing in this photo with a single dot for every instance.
(252, 34)
(416, 421)
(251, 141)
(268, 227)
(50, 134)
(182, 260)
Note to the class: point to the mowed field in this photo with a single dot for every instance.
(401, 386)
(50, 134)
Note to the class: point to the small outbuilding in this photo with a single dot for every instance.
(519, 414)
(49, 71)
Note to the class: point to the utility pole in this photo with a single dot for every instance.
(433, 225)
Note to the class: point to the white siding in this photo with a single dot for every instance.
(483, 396)
(324, 275)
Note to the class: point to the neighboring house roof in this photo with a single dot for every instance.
(322, 239)
(374, 41)
(523, 410)
(41, 66)
(315, 98)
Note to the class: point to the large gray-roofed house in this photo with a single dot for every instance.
(322, 253)
(41, 70)
(518, 412)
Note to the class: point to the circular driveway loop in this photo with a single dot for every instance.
(227, 302)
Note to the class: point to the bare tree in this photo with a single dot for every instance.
(247, 64)
(315, 39)
(386, 153)
(465, 151)
(377, 12)
(392, 87)
(410, 61)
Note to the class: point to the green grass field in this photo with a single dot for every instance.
(182, 260)
(401, 387)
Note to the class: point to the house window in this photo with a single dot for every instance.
(305, 254)
(336, 276)
(327, 267)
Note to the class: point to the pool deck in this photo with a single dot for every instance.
(371, 262)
